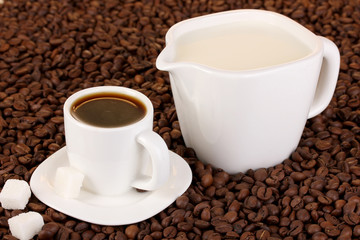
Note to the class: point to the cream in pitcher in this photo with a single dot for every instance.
(240, 46)
(245, 82)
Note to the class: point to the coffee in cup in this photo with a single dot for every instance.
(108, 110)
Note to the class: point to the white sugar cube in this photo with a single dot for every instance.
(68, 182)
(15, 194)
(26, 225)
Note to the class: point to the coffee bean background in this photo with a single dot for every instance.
(51, 49)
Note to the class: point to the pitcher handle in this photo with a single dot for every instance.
(327, 79)
(159, 155)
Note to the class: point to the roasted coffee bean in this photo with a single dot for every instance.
(81, 227)
(303, 215)
(260, 174)
(351, 218)
(58, 216)
(202, 224)
(211, 235)
(200, 207)
(332, 231)
(70, 224)
(170, 232)
(295, 228)
(346, 233)
(132, 231)
(251, 202)
(49, 230)
(207, 180)
(264, 193)
(231, 216)
(356, 231)
(205, 214)
(234, 206)
(184, 226)
(298, 176)
(37, 207)
(313, 228)
(262, 234)
(247, 236)
(182, 202)
(63, 233)
(319, 236)
(243, 194)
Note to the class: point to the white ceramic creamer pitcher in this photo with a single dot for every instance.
(245, 82)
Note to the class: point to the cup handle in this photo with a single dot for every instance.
(327, 79)
(159, 155)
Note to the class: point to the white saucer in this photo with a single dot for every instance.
(129, 208)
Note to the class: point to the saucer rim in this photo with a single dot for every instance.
(147, 207)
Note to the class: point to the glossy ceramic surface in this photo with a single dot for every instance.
(133, 154)
(127, 208)
(237, 120)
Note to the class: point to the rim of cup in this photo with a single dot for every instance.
(106, 89)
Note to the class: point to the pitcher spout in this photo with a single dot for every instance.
(165, 60)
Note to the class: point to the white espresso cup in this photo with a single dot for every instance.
(115, 159)
(245, 82)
